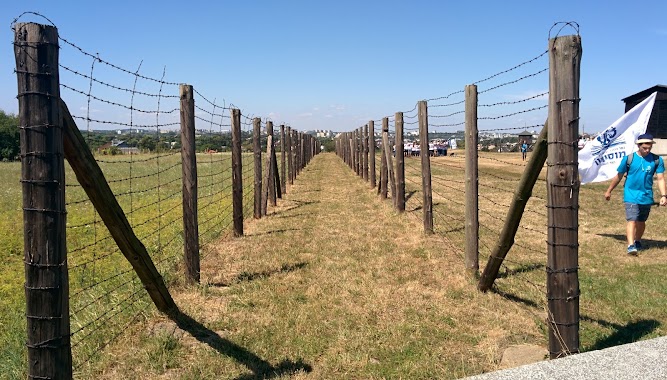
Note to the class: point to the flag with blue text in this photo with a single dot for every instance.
(599, 158)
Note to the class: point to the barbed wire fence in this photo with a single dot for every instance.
(437, 191)
(146, 175)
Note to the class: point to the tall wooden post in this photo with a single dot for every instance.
(290, 162)
(283, 168)
(257, 155)
(400, 164)
(371, 158)
(237, 173)
(189, 165)
(472, 183)
(427, 202)
(44, 216)
(563, 195)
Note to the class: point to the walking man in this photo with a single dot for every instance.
(638, 188)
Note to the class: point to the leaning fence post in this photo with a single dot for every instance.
(272, 176)
(189, 165)
(237, 173)
(371, 157)
(563, 196)
(388, 154)
(290, 161)
(426, 167)
(471, 173)
(257, 155)
(283, 169)
(366, 151)
(44, 216)
(399, 202)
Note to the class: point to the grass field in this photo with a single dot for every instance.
(335, 284)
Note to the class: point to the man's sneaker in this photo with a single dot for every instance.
(638, 245)
(632, 250)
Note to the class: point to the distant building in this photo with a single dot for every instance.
(526, 136)
(122, 145)
(323, 134)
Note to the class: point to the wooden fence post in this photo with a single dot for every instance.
(388, 155)
(563, 196)
(400, 163)
(472, 183)
(384, 173)
(93, 182)
(257, 155)
(426, 167)
(44, 214)
(276, 178)
(515, 211)
(237, 173)
(272, 176)
(290, 161)
(189, 165)
(366, 150)
(371, 158)
(267, 175)
(283, 168)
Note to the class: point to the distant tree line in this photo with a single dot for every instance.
(9, 137)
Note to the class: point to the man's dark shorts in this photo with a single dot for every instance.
(636, 213)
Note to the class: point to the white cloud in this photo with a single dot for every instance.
(328, 116)
(306, 114)
(337, 107)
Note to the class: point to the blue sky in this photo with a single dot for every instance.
(337, 64)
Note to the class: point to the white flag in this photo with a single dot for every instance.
(599, 158)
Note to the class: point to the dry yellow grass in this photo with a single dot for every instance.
(335, 284)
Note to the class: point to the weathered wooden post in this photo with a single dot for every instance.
(283, 160)
(257, 155)
(400, 163)
(189, 168)
(366, 150)
(472, 183)
(388, 155)
(267, 175)
(92, 180)
(237, 173)
(302, 147)
(563, 196)
(272, 176)
(384, 173)
(371, 158)
(427, 202)
(44, 215)
(515, 211)
(290, 161)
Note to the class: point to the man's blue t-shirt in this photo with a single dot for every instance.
(639, 182)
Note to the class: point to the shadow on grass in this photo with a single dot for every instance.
(252, 276)
(272, 232)
(631, 332)
(261, 369)
(298, 205)
(409, 195)
(521, 269)
(646, 243)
